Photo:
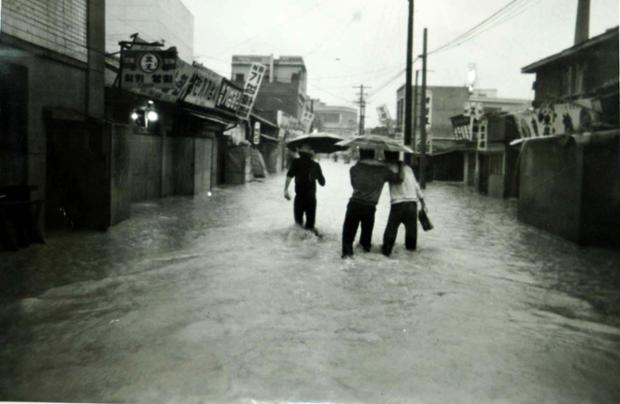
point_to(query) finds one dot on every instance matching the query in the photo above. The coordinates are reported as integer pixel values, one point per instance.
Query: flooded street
(222, 299)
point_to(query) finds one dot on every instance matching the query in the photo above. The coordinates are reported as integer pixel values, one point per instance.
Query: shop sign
(461, 128)
(181, 81)
(229, 96)
(250, 91)
(557, 119)
(203, 88)
(307, 117)
(148, 67)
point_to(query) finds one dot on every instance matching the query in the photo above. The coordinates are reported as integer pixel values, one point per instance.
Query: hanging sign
(229, 96)
(204, 87)
(148, 67)
(250, 90)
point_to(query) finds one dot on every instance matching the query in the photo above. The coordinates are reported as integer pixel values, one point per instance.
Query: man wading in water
(367, 179)
(306, 172)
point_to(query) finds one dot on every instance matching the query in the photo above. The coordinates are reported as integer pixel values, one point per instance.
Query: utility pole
(415, 112)
(408, 101)
(423, 114)
(362, 103)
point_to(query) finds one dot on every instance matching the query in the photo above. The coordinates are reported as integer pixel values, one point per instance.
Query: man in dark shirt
(367, 179)
(306, 172)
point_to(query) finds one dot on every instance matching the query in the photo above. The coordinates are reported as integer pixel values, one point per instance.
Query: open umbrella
(375, 142)
(319, 142)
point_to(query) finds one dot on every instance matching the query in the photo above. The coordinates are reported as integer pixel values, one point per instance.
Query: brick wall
(59, 25)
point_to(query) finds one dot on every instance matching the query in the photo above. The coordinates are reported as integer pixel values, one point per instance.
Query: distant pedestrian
(367, 178)
(403, 208)
(306, 172)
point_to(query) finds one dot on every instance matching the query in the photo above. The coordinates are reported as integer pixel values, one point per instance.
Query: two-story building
(339, 120)
(281, 93)
(570, 159)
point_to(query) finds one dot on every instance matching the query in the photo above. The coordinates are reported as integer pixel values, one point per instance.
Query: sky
(346, 43)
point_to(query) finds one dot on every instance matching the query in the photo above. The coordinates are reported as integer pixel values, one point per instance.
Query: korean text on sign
(255, 78)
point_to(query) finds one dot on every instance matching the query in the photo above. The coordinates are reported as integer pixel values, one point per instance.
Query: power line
(511, 10)
(489, 22)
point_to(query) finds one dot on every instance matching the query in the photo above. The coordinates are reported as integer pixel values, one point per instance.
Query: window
(331, 117)
(240, 77)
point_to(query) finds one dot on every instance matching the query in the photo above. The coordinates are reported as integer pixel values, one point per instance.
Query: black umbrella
(318, 142)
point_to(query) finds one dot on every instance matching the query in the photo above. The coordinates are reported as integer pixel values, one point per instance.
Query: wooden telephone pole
(423, 115)
(408, 95)
(362, 103)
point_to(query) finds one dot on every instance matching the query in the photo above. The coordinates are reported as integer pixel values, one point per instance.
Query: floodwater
(221, 299)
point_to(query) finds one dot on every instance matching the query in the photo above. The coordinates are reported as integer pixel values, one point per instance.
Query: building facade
(338, 120)
(153, 20)
(569, 182)
(283, 87)
(52, 134)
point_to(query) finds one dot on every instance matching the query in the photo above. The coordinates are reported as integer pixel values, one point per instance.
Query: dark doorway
(483, 179)
(13, 125)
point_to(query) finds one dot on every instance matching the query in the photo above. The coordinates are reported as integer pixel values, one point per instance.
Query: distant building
(283, 87)
(154, 20)
(338, 120)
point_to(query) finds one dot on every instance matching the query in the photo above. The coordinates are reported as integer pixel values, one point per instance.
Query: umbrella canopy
(375, 142)
(319, 142)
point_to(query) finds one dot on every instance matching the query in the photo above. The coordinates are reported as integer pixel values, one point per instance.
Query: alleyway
(222, 299)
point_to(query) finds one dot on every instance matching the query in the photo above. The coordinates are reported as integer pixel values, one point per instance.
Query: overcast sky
(346, 43)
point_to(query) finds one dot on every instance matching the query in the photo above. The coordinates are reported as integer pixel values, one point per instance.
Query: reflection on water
(221, 299)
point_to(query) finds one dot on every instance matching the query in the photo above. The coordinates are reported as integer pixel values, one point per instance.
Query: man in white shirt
(404, 197)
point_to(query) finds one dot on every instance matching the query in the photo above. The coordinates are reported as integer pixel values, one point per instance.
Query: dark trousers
(407, 214)
(357, 213)
(305, 204)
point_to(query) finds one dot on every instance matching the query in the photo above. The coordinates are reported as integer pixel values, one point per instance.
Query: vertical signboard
(307, 117)
(252, 84)
(229, 97)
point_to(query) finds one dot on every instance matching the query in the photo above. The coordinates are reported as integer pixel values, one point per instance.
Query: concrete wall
(551, 186)
(145, 166)
(238, 165)
(570, 186)
(120, 174)
(203, 160)
(601, 191)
